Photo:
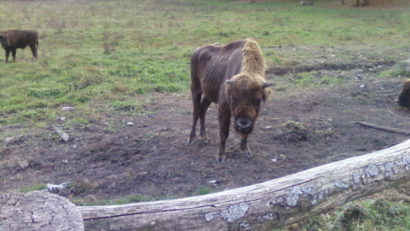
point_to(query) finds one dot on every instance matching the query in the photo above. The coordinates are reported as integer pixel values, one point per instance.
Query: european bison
(404, 97)
(232, 76)
(12, 39)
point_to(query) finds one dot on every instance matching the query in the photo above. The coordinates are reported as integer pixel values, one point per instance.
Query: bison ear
(266, 84)
(230, 82)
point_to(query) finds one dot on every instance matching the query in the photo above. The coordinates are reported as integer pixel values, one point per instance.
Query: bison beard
(12, 39)
(232, 76)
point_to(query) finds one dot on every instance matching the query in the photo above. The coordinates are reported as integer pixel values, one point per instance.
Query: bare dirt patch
(299, 128)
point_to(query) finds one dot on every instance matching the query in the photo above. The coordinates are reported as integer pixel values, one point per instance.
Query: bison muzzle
(232, 76)
(12, 39)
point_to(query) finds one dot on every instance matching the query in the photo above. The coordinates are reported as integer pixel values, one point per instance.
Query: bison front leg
(34, 50)
(245, 147)
(224, 116)
(7, 54)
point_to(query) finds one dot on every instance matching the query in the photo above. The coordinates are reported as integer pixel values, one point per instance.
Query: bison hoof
(219, 159)
(190, 140)
(249, 154)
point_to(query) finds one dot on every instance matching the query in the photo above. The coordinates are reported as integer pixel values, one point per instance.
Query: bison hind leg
(203, 107)
(13, 52)
(196, 100)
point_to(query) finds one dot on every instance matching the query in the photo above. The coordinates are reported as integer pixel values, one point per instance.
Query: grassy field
(97, 55)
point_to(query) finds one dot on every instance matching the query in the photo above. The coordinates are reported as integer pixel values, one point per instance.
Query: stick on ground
(384, 128)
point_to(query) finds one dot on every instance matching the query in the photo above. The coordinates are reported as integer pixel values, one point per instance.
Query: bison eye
(257, 102)
(233, 100)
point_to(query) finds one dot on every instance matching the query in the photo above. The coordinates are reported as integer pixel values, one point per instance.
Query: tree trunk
(38, 211)
(261, 206)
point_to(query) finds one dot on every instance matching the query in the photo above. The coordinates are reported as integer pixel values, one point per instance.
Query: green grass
(365, 215)
(314, 78)
(202, 190)
(31, 188)
(133, 198)
(399, 70)
(380, 215)
(106, 52)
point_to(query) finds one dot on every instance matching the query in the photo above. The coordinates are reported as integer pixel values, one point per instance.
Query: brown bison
(404, 97)
(12, 39)
(232, 76)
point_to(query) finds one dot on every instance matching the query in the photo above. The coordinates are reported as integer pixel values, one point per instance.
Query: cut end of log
(38, 211)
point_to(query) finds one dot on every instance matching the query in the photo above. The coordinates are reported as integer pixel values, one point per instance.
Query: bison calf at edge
(232, 76)
(12, 39)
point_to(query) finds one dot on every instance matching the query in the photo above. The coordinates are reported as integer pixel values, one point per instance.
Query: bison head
(244, 94)
(4, 40)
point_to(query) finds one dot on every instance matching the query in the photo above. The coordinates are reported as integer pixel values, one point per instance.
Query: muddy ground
(299, 128)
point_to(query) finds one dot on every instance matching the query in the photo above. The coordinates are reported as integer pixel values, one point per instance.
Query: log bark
(38, 211)
(262, 206)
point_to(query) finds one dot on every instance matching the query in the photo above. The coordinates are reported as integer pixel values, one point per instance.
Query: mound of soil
(299, 128)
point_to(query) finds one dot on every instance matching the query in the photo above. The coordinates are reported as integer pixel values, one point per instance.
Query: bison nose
(244, 123)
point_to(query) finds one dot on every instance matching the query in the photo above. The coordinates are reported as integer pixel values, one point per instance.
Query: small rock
(67, 108)
(362, 86)
(214, 182)
(55, 188)
(23, 164)
(75, 146)
(62, 118)
(65, 161)
(130, 123)
(274, 159)
(8, 139)
(64, 136)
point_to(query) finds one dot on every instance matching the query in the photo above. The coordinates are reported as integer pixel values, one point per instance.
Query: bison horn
(230, 82)
(266, 84)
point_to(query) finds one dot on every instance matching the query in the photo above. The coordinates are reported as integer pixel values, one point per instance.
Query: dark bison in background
(232, 76)
(404, 97)
(12, 39)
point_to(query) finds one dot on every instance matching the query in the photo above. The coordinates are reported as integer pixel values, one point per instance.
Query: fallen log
(262, 206)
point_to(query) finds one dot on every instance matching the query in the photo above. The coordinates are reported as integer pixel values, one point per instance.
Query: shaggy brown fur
(232, 76)
(12, 39)
(404, 97)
